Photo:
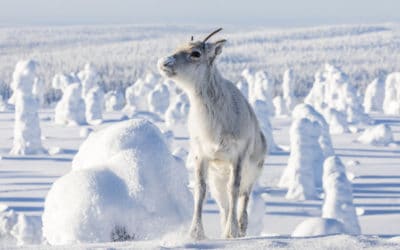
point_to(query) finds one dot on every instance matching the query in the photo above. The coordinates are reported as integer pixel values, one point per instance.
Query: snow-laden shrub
(380, 135)
(325, 141)
(318, 227)
(27, 133)
(19, 229)
(70, 110)
(94, 102)
(114, 100)
(124, 185)
(288, 90)
(261, 110)
(374, 95)
(333, 90)
(305, 160)
(177, 111)
(338, 200)
(391, 102)
(158, 99)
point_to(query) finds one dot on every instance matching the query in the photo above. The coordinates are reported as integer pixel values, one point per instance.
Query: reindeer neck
(208, 90)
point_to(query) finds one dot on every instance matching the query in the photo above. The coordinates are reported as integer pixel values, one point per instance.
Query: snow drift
(124, 184)
(380, 135)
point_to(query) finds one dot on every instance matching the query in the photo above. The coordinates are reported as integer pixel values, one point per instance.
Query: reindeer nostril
(169, 61)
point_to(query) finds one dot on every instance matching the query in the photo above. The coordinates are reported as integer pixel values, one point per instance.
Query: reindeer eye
(195, 54)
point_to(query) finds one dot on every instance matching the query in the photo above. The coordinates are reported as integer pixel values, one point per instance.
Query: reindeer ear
(217, 46)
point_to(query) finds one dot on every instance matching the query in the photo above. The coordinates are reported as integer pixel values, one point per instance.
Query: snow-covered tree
(89, 78)
(27, 133)
(114, 100)
(305, 160)
(338, 201)
(261, 110)
(288, 90)
(391, 102)
(374, 95)
(333, 90)
(94, 101)
(70, 110)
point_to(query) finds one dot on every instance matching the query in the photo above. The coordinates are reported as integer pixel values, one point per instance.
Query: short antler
(210, 35)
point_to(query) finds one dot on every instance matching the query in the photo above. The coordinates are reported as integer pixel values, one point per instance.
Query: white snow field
(118, 177)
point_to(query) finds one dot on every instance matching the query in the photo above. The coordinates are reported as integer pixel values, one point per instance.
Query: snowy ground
(25, 180)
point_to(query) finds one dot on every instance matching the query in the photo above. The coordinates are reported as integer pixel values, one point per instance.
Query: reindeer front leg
(196, 229)
(232, 228)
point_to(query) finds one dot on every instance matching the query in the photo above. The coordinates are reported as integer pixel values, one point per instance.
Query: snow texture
(70, 110)
(27, 133)
(379, 135)
(305, 160)
(318, 227)
(124, 184)
(391, 102)
(338, 200)
(374, 96)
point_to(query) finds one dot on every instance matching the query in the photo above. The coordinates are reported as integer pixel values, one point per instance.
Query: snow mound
(318, 227)
(380, 135)
(177, 111)
(391, 102)
(124, 184)
(338, 201)
(337, 121)
(374, 95)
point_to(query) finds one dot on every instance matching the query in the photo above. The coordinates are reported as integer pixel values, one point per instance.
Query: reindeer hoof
(232, 232)
(197, 233)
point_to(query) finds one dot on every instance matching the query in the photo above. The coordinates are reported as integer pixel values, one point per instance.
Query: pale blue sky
(245, 12)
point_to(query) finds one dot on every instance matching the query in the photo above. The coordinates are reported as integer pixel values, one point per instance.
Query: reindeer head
(191, 61)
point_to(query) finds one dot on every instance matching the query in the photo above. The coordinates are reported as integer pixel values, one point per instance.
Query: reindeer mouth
(168, 72)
